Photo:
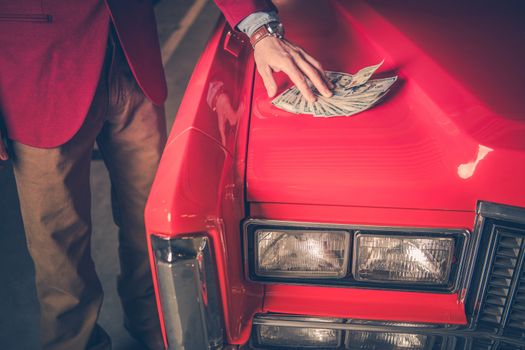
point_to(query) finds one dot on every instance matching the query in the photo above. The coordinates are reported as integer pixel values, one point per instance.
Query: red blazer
(51, 55)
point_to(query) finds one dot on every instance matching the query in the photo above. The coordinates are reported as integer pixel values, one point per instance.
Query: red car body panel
(445, 138)
(448, 136)
(364, 304)
(198, 187)
(446, 219)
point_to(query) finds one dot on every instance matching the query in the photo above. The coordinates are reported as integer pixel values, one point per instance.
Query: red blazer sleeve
(236, 10)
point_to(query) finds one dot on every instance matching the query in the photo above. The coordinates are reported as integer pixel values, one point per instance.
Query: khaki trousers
(55, 200)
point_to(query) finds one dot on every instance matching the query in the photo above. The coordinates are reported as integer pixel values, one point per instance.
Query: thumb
(269, 82)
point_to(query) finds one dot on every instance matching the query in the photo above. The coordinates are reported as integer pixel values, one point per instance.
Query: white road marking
(176, 37)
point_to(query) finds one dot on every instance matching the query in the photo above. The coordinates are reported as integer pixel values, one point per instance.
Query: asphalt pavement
(184, 27)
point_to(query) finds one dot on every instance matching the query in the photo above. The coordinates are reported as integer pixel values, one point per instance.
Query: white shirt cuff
(257, 19)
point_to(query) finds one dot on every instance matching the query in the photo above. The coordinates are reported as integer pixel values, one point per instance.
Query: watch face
(275, 28)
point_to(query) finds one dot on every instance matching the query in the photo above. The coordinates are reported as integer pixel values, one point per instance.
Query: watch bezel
(275, 28)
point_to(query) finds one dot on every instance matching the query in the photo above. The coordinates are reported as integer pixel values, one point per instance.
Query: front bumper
(495, 300)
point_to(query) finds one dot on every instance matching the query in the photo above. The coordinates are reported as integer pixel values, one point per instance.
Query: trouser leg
(131, 143)
(53, 187)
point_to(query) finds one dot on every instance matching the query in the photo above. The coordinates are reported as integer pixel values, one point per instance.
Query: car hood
(450, 133)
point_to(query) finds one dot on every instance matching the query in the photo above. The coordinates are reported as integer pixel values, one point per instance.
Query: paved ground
(18, 305)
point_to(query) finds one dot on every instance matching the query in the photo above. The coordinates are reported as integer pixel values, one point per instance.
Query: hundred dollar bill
(352, 93)
(370, 87)
(363, 75)
(344, 81)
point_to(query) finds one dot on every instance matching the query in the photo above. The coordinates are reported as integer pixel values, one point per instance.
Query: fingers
(298, 78)
(316, 76)
(269, 81)
(3, 152)
(309, 68)
(318, 66)
(274, 55)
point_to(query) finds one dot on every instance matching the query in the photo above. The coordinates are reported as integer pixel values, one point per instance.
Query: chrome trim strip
(306, 322)
(189, 293)
(472, 252)
(501, 212)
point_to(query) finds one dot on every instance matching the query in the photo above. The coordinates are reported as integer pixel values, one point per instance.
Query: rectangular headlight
(388, 341)
(301, 253)
(293, 337)
(409, 259)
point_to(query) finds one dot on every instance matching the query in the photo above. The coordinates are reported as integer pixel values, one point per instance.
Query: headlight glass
(385, 341)
(294, 337)
(301, 254)
(409, 259)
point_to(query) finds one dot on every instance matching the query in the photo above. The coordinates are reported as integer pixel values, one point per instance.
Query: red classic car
(402, 227)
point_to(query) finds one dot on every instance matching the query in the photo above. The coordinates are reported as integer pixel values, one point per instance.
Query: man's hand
(274, 55)
(3, 151)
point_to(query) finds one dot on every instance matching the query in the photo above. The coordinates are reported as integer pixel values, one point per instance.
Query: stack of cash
(351, 94)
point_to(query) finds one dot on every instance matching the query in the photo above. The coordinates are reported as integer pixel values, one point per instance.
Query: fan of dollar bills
(352, 94)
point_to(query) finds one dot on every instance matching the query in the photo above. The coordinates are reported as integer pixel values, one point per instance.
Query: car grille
(499, 310)
(517, 314)
(498, 305)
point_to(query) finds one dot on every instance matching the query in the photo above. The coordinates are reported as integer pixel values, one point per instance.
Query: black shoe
(99, 339)
(151, 339)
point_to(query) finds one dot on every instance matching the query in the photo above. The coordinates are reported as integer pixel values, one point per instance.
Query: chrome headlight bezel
(455, 282)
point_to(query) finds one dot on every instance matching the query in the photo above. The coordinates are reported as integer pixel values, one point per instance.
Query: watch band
(261, 33)
(274, 29)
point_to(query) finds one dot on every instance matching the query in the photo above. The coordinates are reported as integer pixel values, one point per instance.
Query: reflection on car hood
(450, 133)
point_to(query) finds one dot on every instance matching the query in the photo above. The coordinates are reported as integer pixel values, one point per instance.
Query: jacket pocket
(26, 17)
(24, 11)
